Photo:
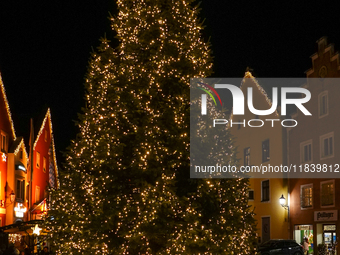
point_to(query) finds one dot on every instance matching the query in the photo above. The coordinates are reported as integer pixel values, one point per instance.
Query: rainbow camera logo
(204, 97)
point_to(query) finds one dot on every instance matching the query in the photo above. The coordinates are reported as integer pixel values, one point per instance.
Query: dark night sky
(45, 47)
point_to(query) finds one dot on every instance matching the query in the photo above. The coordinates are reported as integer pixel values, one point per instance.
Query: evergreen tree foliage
(125, 188)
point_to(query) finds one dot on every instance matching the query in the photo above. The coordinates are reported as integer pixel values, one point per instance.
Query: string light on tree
(125, 188)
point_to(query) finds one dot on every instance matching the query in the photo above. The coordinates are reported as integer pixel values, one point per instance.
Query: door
(265, 229)
(329, 236)
(329, 240)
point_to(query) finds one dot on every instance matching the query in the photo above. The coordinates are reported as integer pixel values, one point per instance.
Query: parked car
(280, 247)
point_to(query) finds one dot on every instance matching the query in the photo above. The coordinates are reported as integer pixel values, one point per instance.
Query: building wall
(41, 176)
(310, 128)
(14, 174)
(6, 127)
(253, 138)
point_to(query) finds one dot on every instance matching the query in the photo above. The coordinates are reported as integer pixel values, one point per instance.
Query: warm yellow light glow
(36, 230)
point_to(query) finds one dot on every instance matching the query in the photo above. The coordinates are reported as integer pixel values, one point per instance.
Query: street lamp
(284, 205)
(283, 202)
(12, 197)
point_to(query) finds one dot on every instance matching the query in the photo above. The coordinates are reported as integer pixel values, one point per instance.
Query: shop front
(22, 235)
(305, 231)
(321, 234)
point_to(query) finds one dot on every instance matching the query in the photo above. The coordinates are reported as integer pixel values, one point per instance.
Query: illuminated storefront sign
(20, 210)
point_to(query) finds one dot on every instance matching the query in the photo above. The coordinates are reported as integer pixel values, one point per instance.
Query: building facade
(263, 146)
(44, 166)
(24, 177)
(315, 202)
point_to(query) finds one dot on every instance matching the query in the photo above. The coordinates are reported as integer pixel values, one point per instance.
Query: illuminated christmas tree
(125, 188)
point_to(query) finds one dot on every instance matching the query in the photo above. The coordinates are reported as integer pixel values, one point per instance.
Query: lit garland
(14, 238)
(21, 145)
(248, 75)
(7, 107)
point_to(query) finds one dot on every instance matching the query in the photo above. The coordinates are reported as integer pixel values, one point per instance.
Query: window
(251, 194)
(45, 135)
(306, 193)
(37, 159)
(265, 151)
(327, 145)
(323, 104)
(247, 156)
(4, 142)
(306, 152)
(27, 191)
(37, 194)
(20, 194)
(327, 193)
(20, 154)
(44, 164)
(265, 191)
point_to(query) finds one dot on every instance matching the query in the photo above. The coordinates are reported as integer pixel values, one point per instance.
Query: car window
(292, 244)
(280, 244)
(266, 244)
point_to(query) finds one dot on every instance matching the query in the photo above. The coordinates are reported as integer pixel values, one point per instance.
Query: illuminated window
(306, 196)
(323, 104)
(4, 142)
(327, 145)
(37, 159)
(327, 193)
(37, 194)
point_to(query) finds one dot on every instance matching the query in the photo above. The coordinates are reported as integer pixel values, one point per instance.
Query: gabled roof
(248, 75)
(47, 119)
(259, 87)
(9, 115)
(324, 47)
(17, 144)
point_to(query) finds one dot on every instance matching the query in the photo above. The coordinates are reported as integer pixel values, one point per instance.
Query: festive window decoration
(4, 157)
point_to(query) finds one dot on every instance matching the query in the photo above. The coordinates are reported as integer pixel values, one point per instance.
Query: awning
(40, 208)
(21, 227)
